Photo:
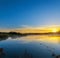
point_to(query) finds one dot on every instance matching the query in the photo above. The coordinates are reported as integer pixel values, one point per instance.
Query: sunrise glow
(54, 30)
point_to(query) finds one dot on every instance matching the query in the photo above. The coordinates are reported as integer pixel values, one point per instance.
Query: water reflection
(31, 46)
(49, 39)
(2, 53)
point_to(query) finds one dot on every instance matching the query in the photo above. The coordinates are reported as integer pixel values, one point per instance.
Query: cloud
(26, 26)
(31, 27)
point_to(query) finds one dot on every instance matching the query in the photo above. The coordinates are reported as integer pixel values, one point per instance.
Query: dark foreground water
(31, 47)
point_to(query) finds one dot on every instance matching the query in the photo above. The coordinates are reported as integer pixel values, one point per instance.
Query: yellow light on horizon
(54, 30)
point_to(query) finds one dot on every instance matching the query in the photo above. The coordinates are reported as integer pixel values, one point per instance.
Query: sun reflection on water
(49, 39)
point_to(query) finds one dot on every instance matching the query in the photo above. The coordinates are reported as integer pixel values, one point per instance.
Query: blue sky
(18, 13)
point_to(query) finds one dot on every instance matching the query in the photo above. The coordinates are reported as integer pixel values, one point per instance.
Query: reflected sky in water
(38, 46)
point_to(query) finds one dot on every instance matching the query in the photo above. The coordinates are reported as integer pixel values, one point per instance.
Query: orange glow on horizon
(34, 29)
(54, 30)
(40, 30)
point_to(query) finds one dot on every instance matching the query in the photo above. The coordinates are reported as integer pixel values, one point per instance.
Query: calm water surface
(34, 46)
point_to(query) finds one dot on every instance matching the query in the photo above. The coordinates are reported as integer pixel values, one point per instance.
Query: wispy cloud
(26, 26)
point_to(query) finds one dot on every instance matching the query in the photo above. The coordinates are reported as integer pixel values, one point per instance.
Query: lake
(31, 47)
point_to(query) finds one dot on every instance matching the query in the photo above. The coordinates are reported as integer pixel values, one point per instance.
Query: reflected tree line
(4, 35)
(13, 35)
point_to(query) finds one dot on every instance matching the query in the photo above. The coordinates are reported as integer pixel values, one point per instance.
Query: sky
(27, 13)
